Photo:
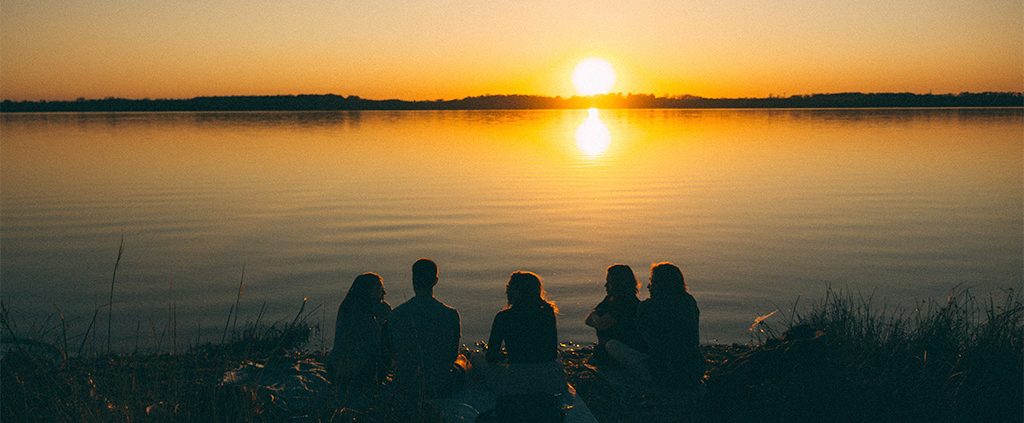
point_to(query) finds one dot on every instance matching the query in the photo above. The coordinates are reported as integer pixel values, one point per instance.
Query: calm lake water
(758, 207)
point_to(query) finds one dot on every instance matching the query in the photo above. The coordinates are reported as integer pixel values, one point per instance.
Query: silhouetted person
(358, 358)
(669, 324)
(615, 316)
(424, 337)
(526, 327)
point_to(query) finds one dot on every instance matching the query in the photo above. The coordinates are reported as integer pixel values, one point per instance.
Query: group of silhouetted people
(655, 339)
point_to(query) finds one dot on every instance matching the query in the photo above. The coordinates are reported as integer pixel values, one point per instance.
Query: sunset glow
(731, 48)
(592, 136)
(593, 76)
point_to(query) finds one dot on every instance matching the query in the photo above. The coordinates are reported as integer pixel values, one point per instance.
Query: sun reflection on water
(592, 136)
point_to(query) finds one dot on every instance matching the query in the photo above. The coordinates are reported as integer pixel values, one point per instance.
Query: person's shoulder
(625, 304)
(502, 315)
(402, 309)
(446, 306)
(688, 299)
(646, 306)
(447, 309)
(382, 309)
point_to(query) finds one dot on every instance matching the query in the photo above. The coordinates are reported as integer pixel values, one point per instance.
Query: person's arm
(643, 324)
(495, 340)
(339, 333)
(552, 335)
(458, 335)
(600, 321)
(601, 318)
(385, 341)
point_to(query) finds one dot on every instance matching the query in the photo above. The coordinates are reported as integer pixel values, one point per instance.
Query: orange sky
(452, 49)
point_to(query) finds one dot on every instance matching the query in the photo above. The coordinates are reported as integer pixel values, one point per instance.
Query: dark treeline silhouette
(617, 100)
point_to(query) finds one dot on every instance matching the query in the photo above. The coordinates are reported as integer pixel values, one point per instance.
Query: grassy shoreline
(839, 359)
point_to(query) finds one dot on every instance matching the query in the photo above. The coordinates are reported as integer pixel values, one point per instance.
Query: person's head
(424, 275)
(666, 280)
(366, 290)
(526, 289)
(621, 282)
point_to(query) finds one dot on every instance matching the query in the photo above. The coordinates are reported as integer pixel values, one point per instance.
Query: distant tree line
(618, 100)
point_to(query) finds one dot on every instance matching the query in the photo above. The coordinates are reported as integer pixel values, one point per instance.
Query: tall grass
(843, 358)
(41, 380)
(955, 360)
(110, 301)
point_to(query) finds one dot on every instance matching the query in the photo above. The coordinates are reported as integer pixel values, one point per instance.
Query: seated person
(358, 357)
(668, 323)
(423, 335)
(615, 316)
(526, 327)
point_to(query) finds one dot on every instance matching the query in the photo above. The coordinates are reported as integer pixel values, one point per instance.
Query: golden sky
(63, 49)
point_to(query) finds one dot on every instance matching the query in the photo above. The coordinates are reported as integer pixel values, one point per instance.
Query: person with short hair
(423, 334)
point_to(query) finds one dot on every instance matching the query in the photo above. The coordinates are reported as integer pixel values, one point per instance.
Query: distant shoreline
(333, 102)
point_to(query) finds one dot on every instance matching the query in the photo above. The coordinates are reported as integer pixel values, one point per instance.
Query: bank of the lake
(838, 360)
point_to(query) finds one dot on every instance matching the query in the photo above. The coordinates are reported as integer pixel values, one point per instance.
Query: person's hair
(526, 289)
(622, 282)
(424, 274)
(667, 279)
(358, 297)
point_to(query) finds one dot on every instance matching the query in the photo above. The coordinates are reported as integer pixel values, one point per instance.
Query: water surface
(757, 206)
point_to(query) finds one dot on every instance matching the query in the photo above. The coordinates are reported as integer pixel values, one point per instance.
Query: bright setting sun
(593, 76)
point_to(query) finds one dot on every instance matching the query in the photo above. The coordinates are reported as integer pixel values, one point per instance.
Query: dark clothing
(358, 359)
(359, 334)
(670, 326)
(423, 334)
(529, 334)
(623, 310)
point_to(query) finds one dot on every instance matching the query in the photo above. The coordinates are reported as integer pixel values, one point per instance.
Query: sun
(593, 76)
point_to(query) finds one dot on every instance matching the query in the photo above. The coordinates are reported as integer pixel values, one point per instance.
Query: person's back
(669, 323)
(614, 318)
(623, 311)
(424, 338)
(670, 327)
(529, 333)
(423, 334)
(358, 361)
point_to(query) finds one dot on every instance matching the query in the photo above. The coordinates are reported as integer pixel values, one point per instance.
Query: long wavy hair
(621, 282)
(360, 296)
(667, 280)
(525, 289)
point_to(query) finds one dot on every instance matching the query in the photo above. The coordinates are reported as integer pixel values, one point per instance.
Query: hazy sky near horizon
(63, 49)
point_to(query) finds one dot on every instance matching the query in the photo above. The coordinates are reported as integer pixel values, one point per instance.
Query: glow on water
(758, 207)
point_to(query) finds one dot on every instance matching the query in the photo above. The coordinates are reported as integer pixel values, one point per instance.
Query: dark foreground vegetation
(617, 100)
(837, 360)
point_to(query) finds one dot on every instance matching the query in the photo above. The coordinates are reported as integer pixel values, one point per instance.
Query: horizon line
(489, 95)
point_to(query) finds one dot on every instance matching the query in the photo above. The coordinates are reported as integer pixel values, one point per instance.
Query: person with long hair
(359, 357)
(527, 329)
(669, 323)
(614, 317)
